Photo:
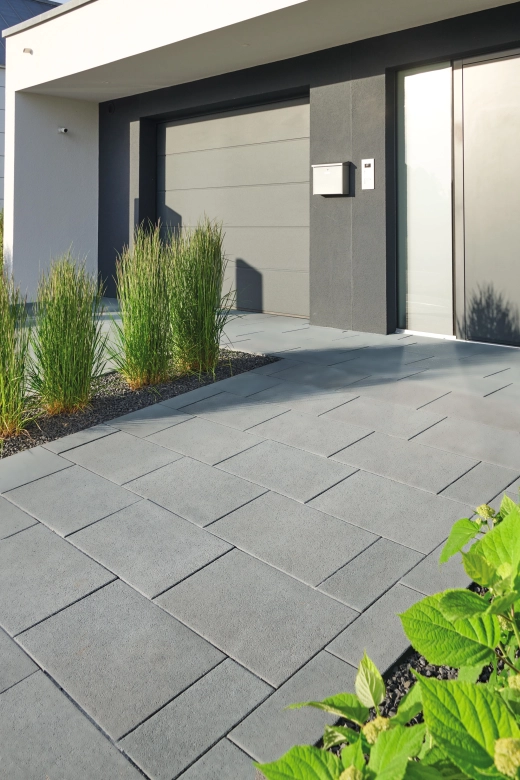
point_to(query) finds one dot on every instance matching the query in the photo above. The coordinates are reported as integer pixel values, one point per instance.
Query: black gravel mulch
(114, 398)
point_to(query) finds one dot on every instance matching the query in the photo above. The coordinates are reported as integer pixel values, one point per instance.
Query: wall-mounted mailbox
(331, 179)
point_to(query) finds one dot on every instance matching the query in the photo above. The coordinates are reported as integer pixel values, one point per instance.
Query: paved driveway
(171, 581)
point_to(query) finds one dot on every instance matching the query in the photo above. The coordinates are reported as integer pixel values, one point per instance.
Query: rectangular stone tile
(41, 574)
(466, 381)
(185, 399)
(172, 739)
(246, 384)
(15, 665)
(312, 434)
(370, 574)
(305, 399)
(407, 461)
(268, 622)
(195, 491)
(119, 656)
(27, 466)
(392, 419)
(481, 484)
(149, 420)
(491, 410)
(300, 541)
(294, 473)
(474, 440)
(121, 458)
(408, 392)
(71, 499)
(12, 519)
(224, 761)
(279, 365)
(234, 411)
(79, 438)
(325, 377)
(334, 353)
(272, 730)
(403, 514)
(377, 631)
(43, 735)
(430, 576)
(205, 440)
(149, 547)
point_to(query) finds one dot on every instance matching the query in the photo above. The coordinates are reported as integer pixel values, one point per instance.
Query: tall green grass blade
(14, 350)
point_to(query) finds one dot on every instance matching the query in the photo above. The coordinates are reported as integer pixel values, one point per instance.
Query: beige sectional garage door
(249, 169)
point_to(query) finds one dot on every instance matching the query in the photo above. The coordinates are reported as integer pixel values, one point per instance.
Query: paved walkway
(171, 581)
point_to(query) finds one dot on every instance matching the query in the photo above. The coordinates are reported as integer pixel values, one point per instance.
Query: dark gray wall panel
(267, 290)
(273, 248)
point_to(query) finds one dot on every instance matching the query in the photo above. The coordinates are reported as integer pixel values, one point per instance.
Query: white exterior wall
(2, 134)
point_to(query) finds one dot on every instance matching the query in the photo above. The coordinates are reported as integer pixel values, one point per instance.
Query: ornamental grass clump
(143, 350)
(199, 309)
(68, 344)
(14, 350)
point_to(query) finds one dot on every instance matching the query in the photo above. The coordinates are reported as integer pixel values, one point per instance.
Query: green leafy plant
(14, 350)
(67, 341)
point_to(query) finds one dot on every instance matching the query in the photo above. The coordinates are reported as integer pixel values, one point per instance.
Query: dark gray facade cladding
(352, 109)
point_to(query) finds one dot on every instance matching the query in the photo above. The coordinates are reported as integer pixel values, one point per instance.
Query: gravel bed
(113, 398)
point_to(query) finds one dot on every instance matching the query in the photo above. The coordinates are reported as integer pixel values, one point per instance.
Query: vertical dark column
(143, 173)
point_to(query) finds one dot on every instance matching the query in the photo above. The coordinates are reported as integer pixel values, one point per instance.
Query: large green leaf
(303, 763)
(502, 604)
(370, 687)
(393, 749)
(502, 544)
(339, 735)
(462, 532)
(416, 770)
(443, 765)
(409, 706)
(469, 673)
(507, 506)
(345, 705)
(465, 720)
(460, 603)
(461, 643)
(478, 568)
(353, 755)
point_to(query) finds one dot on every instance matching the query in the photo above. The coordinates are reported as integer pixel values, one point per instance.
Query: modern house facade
(174, 111)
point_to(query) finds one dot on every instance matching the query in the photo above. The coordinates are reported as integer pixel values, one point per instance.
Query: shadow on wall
(491, 317)
(249, 287)
(170, 220)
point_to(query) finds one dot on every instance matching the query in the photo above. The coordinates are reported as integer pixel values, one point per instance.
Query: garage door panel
(271, 163)
(267, 290)
(264, 206)
(251, 126)
(277, 249)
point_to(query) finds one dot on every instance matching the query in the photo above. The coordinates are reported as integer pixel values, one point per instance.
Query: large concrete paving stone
(149, 420)
(185, 399)
(270, 369)
(305, 399)
(377, 631)
(403, 514)
(272, 730)
(430, 576)
(204, 440)
(12, 519)
(491, 410)
(294, 473)
(267, 621)
(41, 574)
(119, 656)
(27, 466)
(121, 457)
(392, 419)
(175, 737)
(408, 392)
(78, 439)
(370, 574)
(196, 491)
(149, 547)
(235, 411)
(246, 384)
(71, 499)
(302, 542)
(481, 484)
(326, 377)
(225, 762)
(43, 735)
(15, 665)
(409, 462)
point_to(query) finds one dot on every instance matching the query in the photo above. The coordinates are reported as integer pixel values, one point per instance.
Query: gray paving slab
(468, 438)
(326, 377)
(465, 381)
(370, 574)
(149, 420)
(71, 499)
(377, 631)
(15, 665)
(403, 514)
(148, 547)
(264, 619)
(119, 656)
(490, 410)
(481, 484)
(334, 353)
(312, 434)
(79, 438)
(12, 519)
(121, 457)
(408, 392)
(41, 574)
(206, 441)
(235, 411)
(43, 735)
(430, 577)
(27, 466)
(196, 491)
(174, 738)
(224, 761)
(294, 473)
(392, 419)
(271, 730)
(305, 399)
(301, 541)
(247, 384)
(185, 399)
(270, 369)
(407, 461)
